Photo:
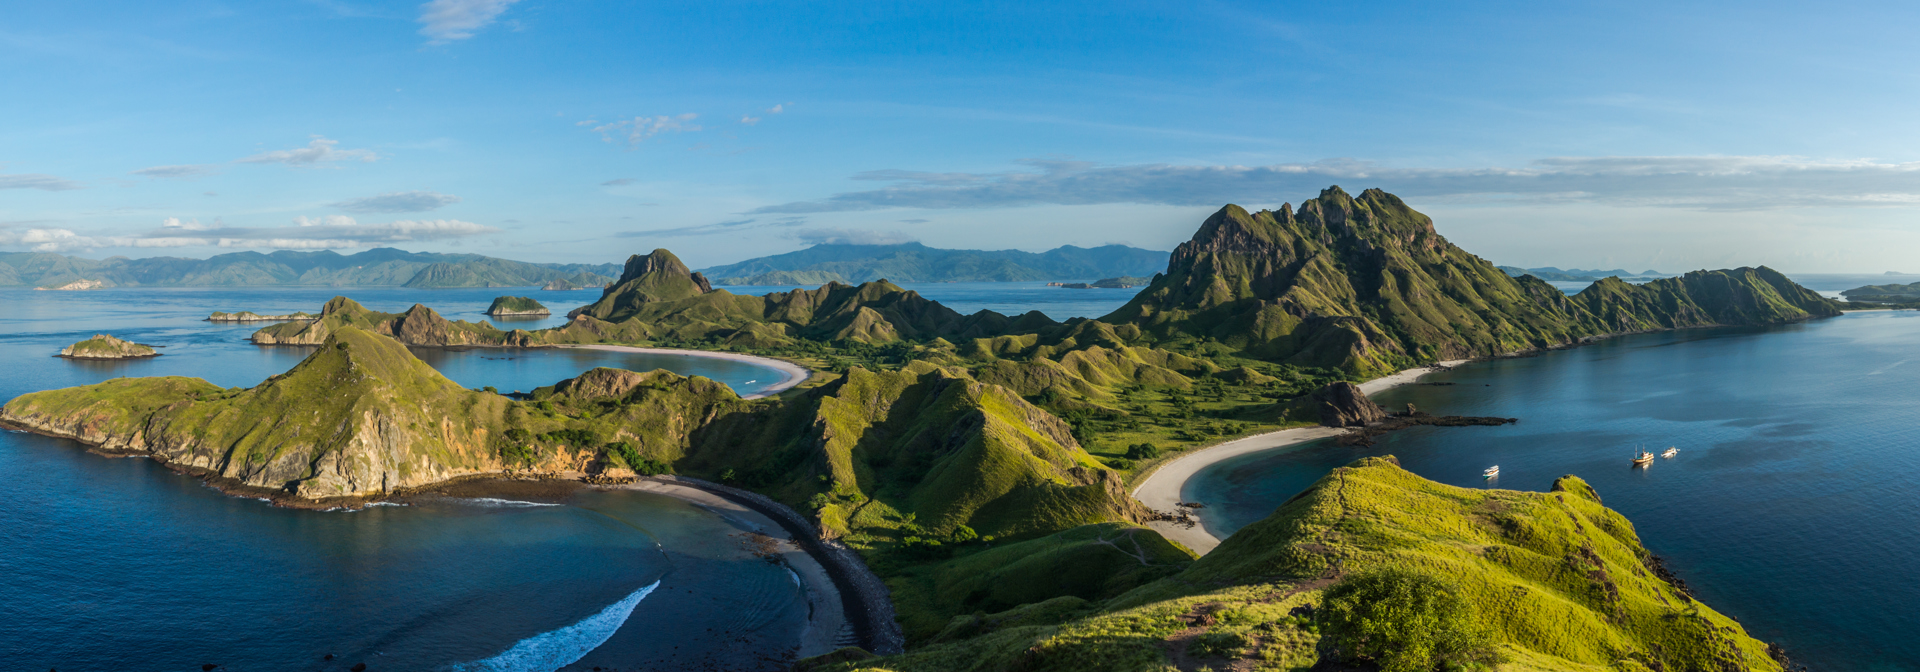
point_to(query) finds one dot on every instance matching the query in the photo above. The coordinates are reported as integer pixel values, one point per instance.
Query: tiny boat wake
(553, 650)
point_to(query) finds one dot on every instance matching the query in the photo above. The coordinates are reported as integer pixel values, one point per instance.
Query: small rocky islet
(103, 346)
(517, 306)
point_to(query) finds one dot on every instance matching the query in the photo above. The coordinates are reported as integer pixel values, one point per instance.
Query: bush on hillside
(1403, 621)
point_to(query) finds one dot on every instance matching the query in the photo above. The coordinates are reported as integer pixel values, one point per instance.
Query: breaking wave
(555, 649)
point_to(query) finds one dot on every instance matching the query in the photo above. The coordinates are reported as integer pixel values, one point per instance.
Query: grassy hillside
(1554, 580)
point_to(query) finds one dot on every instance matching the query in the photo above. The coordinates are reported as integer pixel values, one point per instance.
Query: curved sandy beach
(1160, 490)
(795, 373)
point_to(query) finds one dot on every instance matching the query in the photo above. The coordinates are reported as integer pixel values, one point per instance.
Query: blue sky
(1626, 135)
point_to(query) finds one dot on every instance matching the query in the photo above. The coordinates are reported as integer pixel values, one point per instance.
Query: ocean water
(120, 564)
(1791, 505)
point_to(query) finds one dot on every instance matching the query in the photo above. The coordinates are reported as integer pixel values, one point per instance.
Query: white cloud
(399, 201)
(1699, 182)
(320, 150)
(37, 181)
(851, 237)
(189, 170)
(636, 130)
(444, 21)
(749, 119)
(328, 232)
(618, 182)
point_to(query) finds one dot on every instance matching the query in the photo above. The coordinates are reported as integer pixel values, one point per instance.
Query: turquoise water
(119, 564)
(1790, 507)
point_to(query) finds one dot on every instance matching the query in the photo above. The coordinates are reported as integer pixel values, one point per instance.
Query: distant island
(371, 268)
(102, 346)
(1884, 293)
(1127, 282)
(914, 262)
(1552, 274)
(250, 316)
(982, 464)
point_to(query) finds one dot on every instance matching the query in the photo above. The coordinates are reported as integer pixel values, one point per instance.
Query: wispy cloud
(1703, 182)
(37, 181)
(444, 21)
(319, 150)
(328, 232)
(188, 170)
(851, 237)
(618, 182)
(750, 120)
(636, 130)
(730, 226)
(399, 201)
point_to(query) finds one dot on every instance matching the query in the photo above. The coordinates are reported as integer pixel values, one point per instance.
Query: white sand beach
(1160, 490)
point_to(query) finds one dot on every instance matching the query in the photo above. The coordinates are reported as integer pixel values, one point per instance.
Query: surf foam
(555, 649)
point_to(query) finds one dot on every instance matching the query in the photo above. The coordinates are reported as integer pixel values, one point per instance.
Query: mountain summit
(1367, 283)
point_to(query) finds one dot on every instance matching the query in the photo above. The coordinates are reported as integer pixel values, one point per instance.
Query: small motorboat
(1671, 451)
(1644, 459)
(1491, 472)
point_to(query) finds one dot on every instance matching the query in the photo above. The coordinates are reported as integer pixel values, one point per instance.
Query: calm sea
(118, 564)
(1791, 505)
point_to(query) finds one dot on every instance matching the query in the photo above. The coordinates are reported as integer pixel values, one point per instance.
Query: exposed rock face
(102, 346)
(1342, 404)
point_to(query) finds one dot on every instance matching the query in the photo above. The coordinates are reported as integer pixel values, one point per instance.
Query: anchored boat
(1671, 451)
(1491, 472)
(1644, 459)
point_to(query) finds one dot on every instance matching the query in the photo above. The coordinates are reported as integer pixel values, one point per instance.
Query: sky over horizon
(1634, 135)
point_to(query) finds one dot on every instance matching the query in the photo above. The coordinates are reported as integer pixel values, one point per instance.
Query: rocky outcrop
(1344, 405)
(419, 326)
(102, 346)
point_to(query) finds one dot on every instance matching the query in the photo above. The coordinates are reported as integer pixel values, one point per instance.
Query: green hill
(1553, 580)
(516, 305)
(913, 262)
(1886, 293)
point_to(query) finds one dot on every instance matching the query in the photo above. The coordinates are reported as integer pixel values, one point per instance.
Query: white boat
(1671, 451)
(1491, 472)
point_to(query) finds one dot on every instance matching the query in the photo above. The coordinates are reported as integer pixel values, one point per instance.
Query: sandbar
(1160, 490)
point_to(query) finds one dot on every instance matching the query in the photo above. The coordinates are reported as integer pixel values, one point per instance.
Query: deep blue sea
(1791, 506)
(119, 564)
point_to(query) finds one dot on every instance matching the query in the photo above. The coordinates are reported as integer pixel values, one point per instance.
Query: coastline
(795, 373)
(842, 592)
(1161, 489)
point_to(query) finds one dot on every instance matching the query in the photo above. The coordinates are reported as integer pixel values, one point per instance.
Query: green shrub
(1404, 621)
(1142, 451)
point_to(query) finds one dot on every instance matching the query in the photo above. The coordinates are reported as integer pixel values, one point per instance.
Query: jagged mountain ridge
(1367, 283)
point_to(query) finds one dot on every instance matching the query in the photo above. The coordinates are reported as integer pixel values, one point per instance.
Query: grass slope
(1561, 581)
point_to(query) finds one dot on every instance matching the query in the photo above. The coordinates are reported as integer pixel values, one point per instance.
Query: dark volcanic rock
(1344, 405)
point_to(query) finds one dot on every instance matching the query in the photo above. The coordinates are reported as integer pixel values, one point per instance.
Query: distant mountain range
(375, 267)
(913, 262)
(1552, 274)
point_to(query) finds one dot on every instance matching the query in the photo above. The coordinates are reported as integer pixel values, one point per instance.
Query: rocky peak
(1344, 405)
(663, 263)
